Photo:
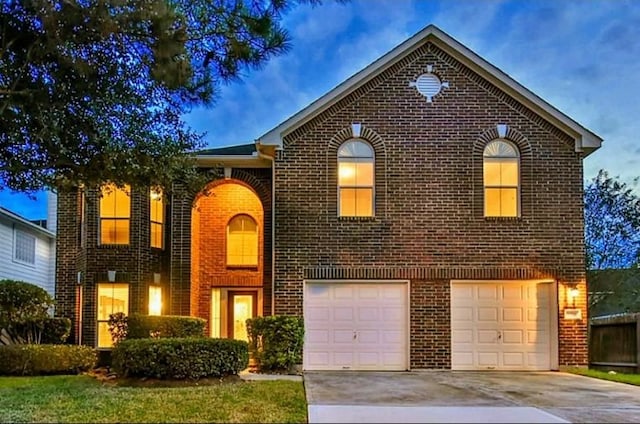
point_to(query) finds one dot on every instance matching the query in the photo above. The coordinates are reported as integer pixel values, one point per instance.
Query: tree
(612, 242)
(94, 90)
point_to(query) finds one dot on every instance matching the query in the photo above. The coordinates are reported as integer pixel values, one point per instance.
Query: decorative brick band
(428, 273)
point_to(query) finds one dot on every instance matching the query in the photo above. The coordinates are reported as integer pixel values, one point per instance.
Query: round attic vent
(428, 84)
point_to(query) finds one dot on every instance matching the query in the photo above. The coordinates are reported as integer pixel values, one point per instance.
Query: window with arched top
(501, 176)
(242, 241)
(355, 178)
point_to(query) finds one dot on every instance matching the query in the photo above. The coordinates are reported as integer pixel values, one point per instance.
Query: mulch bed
(107, 377)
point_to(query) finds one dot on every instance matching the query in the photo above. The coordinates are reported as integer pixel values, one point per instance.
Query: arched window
(355, 179)
(501, 163)
(242, 241)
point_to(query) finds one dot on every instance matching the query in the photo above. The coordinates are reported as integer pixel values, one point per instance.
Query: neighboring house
(27, 250)
(424, 214)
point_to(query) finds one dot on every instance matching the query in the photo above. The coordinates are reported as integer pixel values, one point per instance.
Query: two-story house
(425, 213)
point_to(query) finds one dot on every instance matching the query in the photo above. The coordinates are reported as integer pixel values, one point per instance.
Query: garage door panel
(367, 326)
(501, 325)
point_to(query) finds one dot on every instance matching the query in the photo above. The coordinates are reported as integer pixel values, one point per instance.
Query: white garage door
(355, 326)
(501, 325)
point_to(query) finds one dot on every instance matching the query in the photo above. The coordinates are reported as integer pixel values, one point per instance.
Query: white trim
(30, 225)
(585, 140)
(232, 161)
(553, 310)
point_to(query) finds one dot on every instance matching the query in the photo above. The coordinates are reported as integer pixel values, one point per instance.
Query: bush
(118, 327)
(179, 358)
(21, 301)
(164, 326)
(275, 342)
(34, 359)
(47, 330)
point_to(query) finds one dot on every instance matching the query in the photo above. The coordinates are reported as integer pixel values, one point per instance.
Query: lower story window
(155, 300)
(112, 298)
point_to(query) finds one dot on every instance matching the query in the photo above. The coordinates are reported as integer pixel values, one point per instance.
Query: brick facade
(429, 227)
(429, 221)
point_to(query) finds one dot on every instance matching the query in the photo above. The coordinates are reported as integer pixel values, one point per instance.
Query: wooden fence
(614, 343)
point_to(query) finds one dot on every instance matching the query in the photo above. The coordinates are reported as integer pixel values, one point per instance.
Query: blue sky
(583, 57)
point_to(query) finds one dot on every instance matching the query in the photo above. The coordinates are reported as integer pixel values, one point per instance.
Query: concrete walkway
(467, 397)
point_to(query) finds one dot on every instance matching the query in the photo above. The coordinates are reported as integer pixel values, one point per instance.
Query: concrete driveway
(467, 396)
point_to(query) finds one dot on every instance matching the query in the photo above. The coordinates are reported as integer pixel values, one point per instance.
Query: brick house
(424, 214)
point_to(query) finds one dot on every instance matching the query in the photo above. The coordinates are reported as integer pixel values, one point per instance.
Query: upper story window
(242, 241)
(24, 248)
(157, 218)
(115, 214)
(355, 178)
(501, 163)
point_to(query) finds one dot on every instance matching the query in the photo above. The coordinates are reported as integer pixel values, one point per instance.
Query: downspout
(273, 224)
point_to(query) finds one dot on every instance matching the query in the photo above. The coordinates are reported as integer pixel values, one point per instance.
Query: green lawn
(85, 399)
(619, 377)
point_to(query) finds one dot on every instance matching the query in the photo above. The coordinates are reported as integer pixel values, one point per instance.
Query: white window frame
(257, 261)
(357, 159)
(500, 159)
(18, 246)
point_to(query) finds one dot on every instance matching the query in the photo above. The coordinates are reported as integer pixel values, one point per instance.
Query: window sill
(503, 218)
(113, 246)
(242, 267)
(357, 218)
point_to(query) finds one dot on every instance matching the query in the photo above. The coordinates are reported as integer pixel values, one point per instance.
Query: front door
(243, 305)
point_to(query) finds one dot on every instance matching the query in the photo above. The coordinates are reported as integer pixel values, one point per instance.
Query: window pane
(491, 173)
(364, 202)
(364, 174)
(114, 231)
(112, 298)
(346, 173)
(115, 202)
(108, 203)
(509, 172)
(215, 313)
(347, 202)
(155, 300)
(242, 241)
(157, 206)
(355, 148)
(156, 235)
(104, 337)
(492, 202)
(508, 202)
(25, 247)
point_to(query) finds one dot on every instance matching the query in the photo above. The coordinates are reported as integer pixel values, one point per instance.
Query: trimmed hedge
(164, 326)
(43, 359)
(179, 358)
(275, 342)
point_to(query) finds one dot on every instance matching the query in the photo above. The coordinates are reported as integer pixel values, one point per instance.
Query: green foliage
(180, 358)
(95, 91)
(21, 302)
(276, 342)
(613, 291)
(42, 359)
(118, 326)
(47, 330)
(612, 223)
(164, 326)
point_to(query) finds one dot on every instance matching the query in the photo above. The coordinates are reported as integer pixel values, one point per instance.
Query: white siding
(42, 272)
(52, 211)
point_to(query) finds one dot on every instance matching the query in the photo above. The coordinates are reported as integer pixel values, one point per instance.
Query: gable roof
(239, 150)
(585, 140)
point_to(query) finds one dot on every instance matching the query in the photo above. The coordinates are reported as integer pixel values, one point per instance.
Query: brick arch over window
(240, 176)
(380, 166)
(526, 168)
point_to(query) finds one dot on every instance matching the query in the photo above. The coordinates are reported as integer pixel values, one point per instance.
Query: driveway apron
(467, 397)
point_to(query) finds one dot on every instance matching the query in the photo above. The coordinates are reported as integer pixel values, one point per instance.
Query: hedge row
(164, 326)
(179, 358)
(44, 359)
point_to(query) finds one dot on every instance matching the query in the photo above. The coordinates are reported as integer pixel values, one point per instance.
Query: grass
(603, 375)
(84, 399)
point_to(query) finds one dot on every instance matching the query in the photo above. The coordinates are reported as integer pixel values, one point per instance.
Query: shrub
(118, 326)
(35, 359)
(164, 326)
(21, 301)
(47, 330)
(275, 342)
(179, 358)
